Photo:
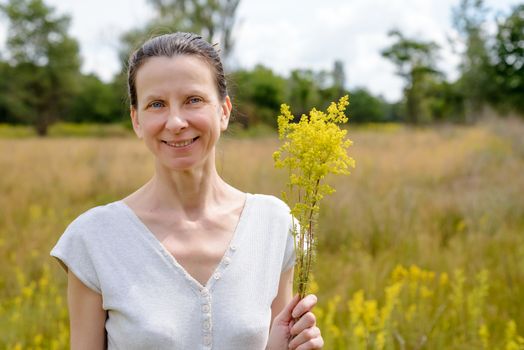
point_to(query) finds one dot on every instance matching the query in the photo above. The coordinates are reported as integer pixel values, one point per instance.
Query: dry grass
(442, 199)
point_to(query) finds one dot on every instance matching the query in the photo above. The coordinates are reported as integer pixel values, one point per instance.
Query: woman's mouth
(180, 144)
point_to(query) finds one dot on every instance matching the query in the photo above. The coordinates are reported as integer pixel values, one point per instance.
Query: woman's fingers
(284, 317)
(304, 331)
(305, 305)
(309, 338)
(307, 320)
(317, 343)
(291, 306)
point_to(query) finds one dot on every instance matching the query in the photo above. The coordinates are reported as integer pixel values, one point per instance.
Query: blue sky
(289, 34)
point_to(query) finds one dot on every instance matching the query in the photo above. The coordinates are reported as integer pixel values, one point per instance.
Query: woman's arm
(284, 310)
(284, 295)
(86, 316)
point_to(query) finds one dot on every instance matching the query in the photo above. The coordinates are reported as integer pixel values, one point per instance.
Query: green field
(422, 247)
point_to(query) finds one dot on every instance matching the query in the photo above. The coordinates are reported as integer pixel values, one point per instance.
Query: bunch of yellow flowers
(313, 147)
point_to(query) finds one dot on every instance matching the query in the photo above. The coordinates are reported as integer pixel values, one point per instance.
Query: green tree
(257, 95)
(97, 102)
(445, 101)
(303, 90)
(364, 107)
(509, 61)
(330, 85)
(45, 63)
(6, 76)
(415, 60)
(470, 19)
(213, 19)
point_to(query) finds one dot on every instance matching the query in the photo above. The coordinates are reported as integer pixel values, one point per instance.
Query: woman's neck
(190, 193)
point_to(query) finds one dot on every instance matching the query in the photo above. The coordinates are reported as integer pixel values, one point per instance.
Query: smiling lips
(180, 144)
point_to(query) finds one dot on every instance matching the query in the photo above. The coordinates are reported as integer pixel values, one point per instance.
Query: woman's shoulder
(87, 233)
(96, 217)
(271, 203)
(269, 199)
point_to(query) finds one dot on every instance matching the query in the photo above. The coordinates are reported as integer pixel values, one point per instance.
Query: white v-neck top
(153, 303)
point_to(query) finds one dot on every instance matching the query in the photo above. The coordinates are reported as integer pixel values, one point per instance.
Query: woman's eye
(194, 100)
(156, 104)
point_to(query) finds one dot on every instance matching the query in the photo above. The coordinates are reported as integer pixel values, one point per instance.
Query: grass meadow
(422, 247)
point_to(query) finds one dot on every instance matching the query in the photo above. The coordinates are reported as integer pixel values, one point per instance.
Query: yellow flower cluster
(513, 340)
(419, 309)
(371, 325)
(313, 147)
(37, 302)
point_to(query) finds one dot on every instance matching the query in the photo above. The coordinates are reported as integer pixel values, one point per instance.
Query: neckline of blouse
(225, 261)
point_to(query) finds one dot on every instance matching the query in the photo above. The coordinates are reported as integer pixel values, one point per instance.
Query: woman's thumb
(285, 314)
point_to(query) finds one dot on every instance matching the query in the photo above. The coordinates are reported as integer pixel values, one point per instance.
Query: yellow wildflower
(28, 291)
(38, 339)
(513, 340)
(356, 306)
(415, 272)
(399, 273)
(359, 331)
(425, 292)
(392, 295)
(43, 282)
(313, 147)
(380, 341)
(444, 279)
(370, 313)
(427, 276)
(484, 336)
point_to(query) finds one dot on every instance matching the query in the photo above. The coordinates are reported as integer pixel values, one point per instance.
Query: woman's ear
(226, 113)
(136, 123)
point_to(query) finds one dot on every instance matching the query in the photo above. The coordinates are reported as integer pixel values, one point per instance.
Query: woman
(187, 261)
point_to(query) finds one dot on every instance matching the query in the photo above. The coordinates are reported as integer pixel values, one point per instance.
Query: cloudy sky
(288, 34)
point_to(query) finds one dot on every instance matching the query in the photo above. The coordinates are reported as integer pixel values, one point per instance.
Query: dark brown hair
(170, 45)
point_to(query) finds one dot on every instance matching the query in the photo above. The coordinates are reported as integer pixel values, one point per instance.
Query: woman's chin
(182, 165)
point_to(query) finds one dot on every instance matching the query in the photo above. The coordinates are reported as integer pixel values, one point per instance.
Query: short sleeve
(73, 251)
(290, 254)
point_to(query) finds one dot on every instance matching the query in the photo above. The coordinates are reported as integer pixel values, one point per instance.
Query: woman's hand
(303, 334)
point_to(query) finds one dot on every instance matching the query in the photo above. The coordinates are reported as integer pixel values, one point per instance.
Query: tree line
(41, 81)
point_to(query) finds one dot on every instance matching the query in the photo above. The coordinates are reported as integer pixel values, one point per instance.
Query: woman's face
(179, 113)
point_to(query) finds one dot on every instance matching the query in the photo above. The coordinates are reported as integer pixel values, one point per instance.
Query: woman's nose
(176, 123)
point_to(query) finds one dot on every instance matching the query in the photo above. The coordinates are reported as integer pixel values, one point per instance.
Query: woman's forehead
(174, 71)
